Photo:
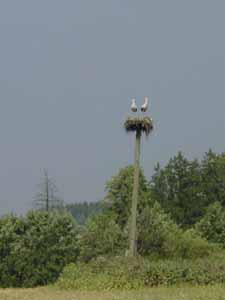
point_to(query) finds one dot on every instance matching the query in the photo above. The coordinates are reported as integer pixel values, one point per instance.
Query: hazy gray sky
(67, 71)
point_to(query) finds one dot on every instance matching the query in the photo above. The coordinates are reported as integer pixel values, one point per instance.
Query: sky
(68, 69)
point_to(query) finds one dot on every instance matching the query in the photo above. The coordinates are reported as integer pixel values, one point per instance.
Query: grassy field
(181, 293)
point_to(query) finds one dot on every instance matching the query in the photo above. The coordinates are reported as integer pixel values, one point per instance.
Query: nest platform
(139, 124)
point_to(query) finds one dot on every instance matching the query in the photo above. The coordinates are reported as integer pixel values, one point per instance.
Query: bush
(103, 274)
(34, 249)
(212, 225)
(11, 230)
(158, 234)
(101, 236)
(129, 273)
(201, 271)
(189, 244)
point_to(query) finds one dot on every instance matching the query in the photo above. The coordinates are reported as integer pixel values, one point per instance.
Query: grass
(216, 292)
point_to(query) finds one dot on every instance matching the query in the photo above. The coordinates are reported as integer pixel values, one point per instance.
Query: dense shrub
(101, 236)
(207, 270)
(158, 234)
(129, 273)
(104, 273)
(34, 249)
(212, 225)
(189, 244)
(11, 230)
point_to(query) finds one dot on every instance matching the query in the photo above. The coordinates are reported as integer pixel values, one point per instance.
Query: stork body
(144, 107)
(133, 105)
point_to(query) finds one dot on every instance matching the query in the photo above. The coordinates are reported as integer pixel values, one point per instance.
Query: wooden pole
(133, 226)
(46, 189)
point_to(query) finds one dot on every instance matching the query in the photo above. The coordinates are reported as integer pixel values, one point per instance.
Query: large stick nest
(141, 124)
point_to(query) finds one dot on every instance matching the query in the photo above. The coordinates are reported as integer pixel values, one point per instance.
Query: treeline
(181, 216)
(185, 188)
(84, 210)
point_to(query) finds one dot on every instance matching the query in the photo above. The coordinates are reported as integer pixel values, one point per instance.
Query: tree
(178, 188)
(11, 230)
(156, 232)
(213, 177)
(212, 225)
(101, 236)
(46, 198)
(161, 236)
(35, 248)
(119, 194)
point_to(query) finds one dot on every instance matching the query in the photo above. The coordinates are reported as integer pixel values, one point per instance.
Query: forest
(180, 233)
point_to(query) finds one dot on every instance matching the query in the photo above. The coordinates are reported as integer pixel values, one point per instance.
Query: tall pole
(133, 228)
(46, 190)
(137, 125)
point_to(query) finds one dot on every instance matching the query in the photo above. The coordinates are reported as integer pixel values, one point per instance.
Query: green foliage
(11, 229)
(34, 249)
(104, 274)
(119, 194)
(83, 211)
(102, 236)
(186, 188)
(189, 244)
(212, 225)
(133, 273)
(178, 188)
(207, 270)
(155, 231)
(213, 177)
(158, 234)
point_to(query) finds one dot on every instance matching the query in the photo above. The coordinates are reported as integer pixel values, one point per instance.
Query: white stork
(133, 105)
(144, 107)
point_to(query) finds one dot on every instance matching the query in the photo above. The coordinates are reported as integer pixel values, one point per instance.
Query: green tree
(213, 177)
(34, 249)
(101, 236)
(119, 194)
(159, 235)
(156, 232)
(178, 188)
(11, 230)
(212, 225)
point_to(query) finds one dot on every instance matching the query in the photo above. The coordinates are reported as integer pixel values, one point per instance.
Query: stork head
(146, 99)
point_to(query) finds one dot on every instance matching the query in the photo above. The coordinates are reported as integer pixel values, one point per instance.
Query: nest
(141, 124)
